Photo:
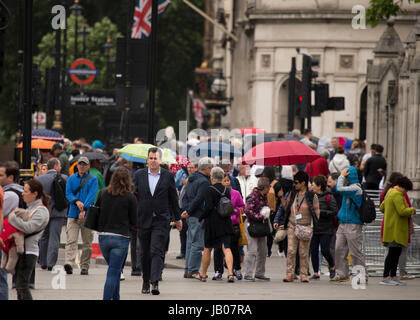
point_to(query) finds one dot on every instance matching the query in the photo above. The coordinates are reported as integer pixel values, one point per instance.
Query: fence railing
(373, 249)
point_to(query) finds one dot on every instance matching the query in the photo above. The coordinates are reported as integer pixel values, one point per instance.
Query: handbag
(257, 229)
(242, 241)
(92, 218)
(280, 235)
(236, 231)
(303, 232)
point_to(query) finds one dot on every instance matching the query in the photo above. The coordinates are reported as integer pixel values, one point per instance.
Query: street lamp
(84, 32)
(219, 85)
(76, 9)
(108, 53)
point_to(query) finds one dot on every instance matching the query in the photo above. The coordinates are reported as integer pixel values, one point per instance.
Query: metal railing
(373, 249)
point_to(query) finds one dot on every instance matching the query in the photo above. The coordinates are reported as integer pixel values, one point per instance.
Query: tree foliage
(384, 9)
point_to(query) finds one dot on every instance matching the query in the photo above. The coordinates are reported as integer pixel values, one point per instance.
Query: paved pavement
(175, 287)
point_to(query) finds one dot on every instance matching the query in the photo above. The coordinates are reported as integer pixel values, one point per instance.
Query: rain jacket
(352, 190)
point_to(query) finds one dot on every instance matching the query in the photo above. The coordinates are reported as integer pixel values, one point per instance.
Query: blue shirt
(153, 181)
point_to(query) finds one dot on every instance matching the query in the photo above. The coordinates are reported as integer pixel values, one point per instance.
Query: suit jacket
(46, 181)
(161, 204)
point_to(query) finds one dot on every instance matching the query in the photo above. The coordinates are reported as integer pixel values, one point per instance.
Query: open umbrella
(39, 144)
(252, 130)
(46, 134)
(213, 149)
(280, 153)
(91, 156)
(135, 151)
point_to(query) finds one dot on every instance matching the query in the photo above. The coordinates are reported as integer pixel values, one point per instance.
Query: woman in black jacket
(118, 213)
(218, 231)
(324, 228)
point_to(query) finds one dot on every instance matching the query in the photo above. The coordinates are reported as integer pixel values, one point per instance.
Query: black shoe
(155, 288)
(315, 277)
(136, 273)
(146, 287)
(68, 268)
(43, 267)
(31, 286)
(84, 272)
(49, 268)
(180, 256)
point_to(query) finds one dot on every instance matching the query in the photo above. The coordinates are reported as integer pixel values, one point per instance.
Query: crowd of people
(313, 208)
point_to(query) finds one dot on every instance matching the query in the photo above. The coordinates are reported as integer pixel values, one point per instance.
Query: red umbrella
(252, 130)
(182, 162)
(280, 153)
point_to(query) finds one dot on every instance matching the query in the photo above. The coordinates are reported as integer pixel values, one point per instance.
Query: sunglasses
(297, 182)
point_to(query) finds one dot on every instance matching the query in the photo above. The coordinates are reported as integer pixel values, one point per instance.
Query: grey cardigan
(37, 223)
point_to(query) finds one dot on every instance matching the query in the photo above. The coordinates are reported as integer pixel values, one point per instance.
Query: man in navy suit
(157, 198)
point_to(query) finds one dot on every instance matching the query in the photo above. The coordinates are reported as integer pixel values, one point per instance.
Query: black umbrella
(91, 156)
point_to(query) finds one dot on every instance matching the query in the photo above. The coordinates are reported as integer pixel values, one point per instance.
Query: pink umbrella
(182, 162)
(252, 130)
(280, 153)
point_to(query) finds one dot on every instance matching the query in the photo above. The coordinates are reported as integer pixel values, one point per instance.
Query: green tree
(384, 9)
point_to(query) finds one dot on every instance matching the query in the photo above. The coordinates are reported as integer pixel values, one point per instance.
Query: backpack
(58, 192)
(367, 210)
(22, 203)
(225, 207)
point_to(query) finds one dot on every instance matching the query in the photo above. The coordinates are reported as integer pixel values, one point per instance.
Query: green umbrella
(139, 153)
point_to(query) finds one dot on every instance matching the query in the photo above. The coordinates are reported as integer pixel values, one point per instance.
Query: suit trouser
(73, 228)
(348, 238)
(49, 244)
(135, 250)
(152, 242)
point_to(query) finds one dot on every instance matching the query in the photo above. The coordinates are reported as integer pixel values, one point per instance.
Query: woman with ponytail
(118, 213)
(37, 202)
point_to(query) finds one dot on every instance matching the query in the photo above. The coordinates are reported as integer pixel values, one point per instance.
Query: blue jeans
(195, 245)
(114, 249)
(4, 288)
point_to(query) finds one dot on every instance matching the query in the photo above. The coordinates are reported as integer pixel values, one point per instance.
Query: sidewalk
(175, 287)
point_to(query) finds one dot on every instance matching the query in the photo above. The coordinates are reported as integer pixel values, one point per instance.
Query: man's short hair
(12, 169)
(225, 163)
(52, 163)
(155, 150)
(325, 154)
(205, 163)
(307, 131)
(217, 174)
(379, 148)
(373, 146)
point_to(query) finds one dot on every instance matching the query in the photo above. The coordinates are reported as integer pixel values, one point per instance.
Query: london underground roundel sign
(90, 71)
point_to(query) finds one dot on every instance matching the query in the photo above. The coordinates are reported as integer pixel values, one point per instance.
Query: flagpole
(188, 116)
(152, 72)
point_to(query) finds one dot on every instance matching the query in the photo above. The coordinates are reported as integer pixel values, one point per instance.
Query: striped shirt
(300, 206)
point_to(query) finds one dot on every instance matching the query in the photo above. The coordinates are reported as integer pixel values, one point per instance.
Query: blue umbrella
(212, 149)
(46, 134)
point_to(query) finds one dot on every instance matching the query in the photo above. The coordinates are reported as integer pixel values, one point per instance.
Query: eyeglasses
(297, 182)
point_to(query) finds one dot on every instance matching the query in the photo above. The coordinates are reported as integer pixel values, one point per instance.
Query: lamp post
(84, 32)
(76, 9)
(108, 53)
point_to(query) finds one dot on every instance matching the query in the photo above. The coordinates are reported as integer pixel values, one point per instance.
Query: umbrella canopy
(136, 151)
(280, 153)
(139, 153)
(91, 156)
(182, 161)
(39, 144)
(212, 149)
(46, 134)
(252, 130)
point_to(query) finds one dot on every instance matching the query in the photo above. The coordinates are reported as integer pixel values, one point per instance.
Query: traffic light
(322, 94)
(307, 75)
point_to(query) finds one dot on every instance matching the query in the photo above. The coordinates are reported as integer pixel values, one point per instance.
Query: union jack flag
(142, 24)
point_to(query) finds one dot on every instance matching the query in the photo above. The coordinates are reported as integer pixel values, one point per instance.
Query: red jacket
(317, 167)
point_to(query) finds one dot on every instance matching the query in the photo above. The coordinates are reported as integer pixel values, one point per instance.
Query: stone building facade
(393, 78)
(257, 66)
